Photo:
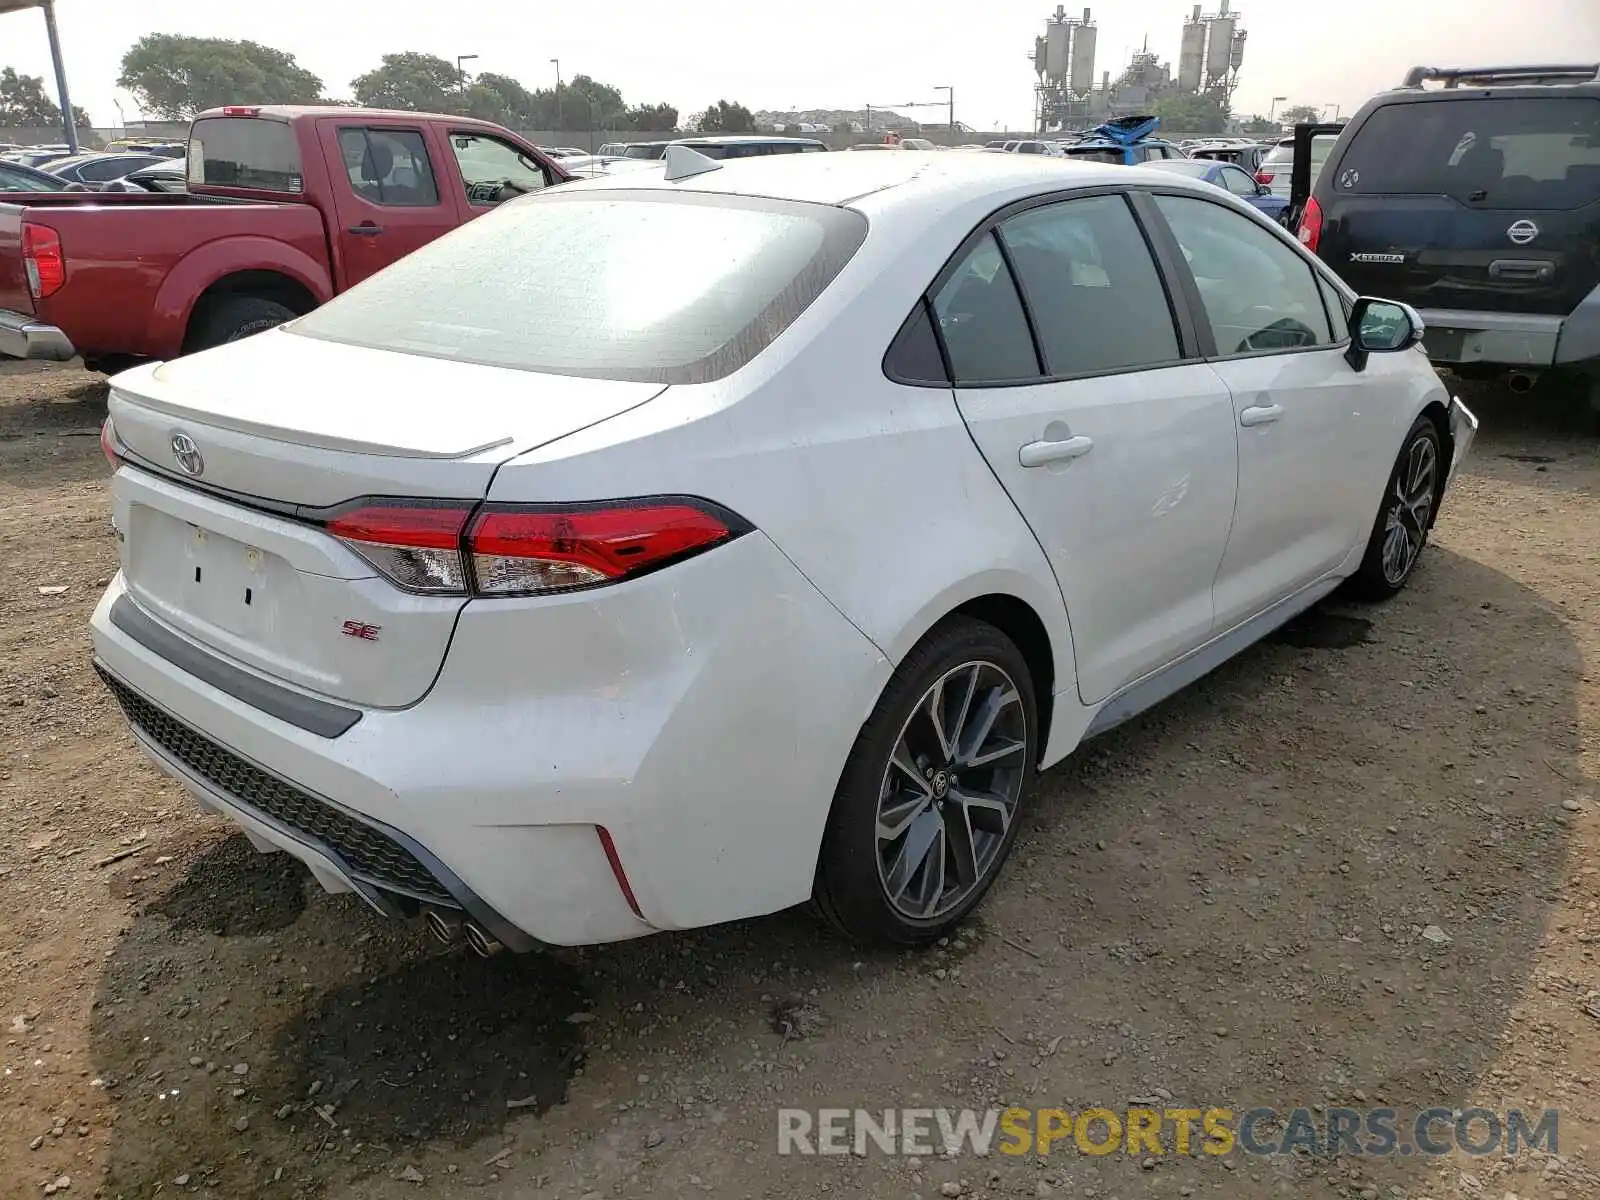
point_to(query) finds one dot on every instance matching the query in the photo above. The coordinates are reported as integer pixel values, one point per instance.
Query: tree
(724, 117)
(1259, 125)
(413, 81)
(175, 77)
(1191, 114)
(23, 102)
(1300, 114)
(652, 118)
(503, 100)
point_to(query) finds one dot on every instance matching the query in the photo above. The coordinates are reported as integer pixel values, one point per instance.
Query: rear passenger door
(386, 195)
(1082, 388)
(1300, 407)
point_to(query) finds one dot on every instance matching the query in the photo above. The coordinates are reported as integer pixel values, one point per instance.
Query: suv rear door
(1481, 200)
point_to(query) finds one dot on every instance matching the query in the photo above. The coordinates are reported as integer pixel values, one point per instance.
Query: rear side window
(1092, 287)
(980, 315)
(245, 152)
(654, 287)
(1496, 152)
(389, 167)
(1104, 154)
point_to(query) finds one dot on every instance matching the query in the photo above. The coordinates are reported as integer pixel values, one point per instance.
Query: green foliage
(1192, 114)
(1301, 114)
(1260, 126)
(23, 102)
(175, 77)
(412, 81)
(652, 118)
(725, 117)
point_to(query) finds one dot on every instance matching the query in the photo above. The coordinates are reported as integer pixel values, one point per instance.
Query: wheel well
(267, 285)
(1017, 620)
(1436, 413)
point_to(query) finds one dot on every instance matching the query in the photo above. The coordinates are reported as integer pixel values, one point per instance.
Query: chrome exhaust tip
(482, 943)
(446, 927)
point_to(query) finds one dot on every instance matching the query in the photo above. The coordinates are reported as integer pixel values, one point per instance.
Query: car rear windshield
(245, 152)
(662, 288)
(1105, 154)
(1495, 152)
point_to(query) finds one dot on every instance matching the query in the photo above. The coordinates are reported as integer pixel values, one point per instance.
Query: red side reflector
(43, 260)
(615, 860)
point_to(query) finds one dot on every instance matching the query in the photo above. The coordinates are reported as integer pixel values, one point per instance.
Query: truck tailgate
(14, 294)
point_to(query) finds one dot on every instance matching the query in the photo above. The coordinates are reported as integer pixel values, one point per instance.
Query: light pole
(945, 87)
(1335, 108)
(1273, 107)
(461, 75)
(122, 121)
(557, 63)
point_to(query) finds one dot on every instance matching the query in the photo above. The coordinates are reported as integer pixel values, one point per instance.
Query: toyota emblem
(1523, 232)
(187, 455)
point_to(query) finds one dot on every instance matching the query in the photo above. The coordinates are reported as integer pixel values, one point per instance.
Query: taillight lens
(454, 548)
(416, 545)
(108, 444)
(534, 549)
(1263, 177)
(1310, 231)
(43, 260)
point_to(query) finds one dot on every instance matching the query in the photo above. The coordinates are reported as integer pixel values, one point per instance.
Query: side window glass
(981, 319)
(914, 355)
(1092, 286)
(1259, 294)
(493, 171)
(1338, 312)
(389, 167)
(1238, 182)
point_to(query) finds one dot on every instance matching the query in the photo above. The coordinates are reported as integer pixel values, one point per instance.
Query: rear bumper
(1463, 430)
(1510, 340)
(23, 336)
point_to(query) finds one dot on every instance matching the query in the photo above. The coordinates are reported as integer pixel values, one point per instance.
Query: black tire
(855, 866)
(237, 317)
(1409, 500)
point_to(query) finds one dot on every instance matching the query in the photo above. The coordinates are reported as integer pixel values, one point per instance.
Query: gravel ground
(1223, 904)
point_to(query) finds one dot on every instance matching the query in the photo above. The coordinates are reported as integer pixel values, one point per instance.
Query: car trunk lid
(236, 458)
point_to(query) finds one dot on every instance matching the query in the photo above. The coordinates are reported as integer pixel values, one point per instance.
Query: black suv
(1478, 203)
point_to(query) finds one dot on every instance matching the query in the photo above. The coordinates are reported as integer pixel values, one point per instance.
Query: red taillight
(240, 110)
(1310, 231)
(528, 550)
(43, 260)
(621, 876)
(1263, 177)
(417, 545)
(523, 550)
(108, 444)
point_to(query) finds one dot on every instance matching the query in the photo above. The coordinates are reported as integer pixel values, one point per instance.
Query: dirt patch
(1352, 867)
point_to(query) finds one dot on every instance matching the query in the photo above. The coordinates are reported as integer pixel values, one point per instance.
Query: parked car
(94, 171)
(565, 151)
(1248, 156)
(1231, 179)
(286, 206)
(1479, 203)
(745, 145)
(1278, 163)
(157, 147)
(644, 150)
(1034, 146)
(561, 630)
(38, 156)
(14, 177)
(1127, 140)
(170, 176)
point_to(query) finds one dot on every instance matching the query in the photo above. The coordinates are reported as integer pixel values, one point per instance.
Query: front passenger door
(1115, 444)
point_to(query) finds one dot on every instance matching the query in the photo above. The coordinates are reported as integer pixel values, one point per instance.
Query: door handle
(1260, 414)
(1038, 454)
(366, 229)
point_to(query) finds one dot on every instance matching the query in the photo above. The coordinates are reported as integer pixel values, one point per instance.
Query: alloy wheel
(950, 790)
(1410, 508)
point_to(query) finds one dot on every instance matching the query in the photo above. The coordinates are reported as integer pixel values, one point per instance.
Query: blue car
(1232, 179)
(1125, 141)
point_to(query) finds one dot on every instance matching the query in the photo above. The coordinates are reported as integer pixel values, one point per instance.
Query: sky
(818, 53)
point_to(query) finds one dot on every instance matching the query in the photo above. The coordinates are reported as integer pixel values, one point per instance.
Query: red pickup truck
(287, 206)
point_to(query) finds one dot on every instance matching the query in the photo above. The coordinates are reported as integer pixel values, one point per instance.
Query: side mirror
(1382, 327)
(1263, 189)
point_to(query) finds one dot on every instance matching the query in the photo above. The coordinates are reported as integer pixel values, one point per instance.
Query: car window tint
(914, 355)
(1092, 287)
(389, 167)
(1338, 309)
(981, 320)
(1259, 294)
(493, 171)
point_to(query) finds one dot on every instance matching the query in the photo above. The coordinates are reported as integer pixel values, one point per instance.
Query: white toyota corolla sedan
(683, 546)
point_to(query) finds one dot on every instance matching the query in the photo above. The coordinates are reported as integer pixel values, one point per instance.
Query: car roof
(290, 112)
(841, 179)
(740, 139)
(1188, 166)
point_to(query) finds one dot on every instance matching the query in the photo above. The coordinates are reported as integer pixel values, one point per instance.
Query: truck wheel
(238, 317)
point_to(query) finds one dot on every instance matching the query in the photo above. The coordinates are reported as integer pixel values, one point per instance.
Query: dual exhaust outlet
(450, 927)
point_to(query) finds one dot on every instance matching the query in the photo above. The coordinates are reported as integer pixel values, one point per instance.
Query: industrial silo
(1083, 43)
(1192, 53)
(1056, 64)
(1219, 46)
(1236, 58)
